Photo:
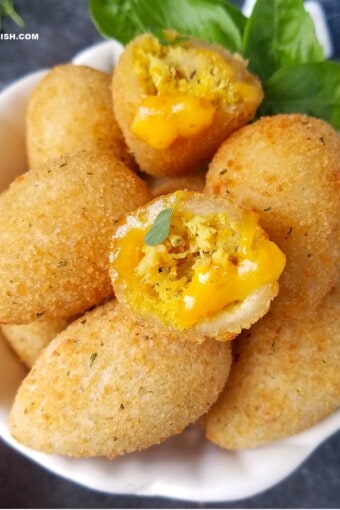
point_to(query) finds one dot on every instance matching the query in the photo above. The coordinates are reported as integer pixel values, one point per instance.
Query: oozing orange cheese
(160, 120)
(205, 265)
(214, 287)
(247, 92)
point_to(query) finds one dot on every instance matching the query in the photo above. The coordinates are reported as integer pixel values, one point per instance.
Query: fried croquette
(28, 340)
(284, 379)
(286, 169)
(166, 185)
(176, 103)
(213, 273)
(55, 229)
(108, 385)
(70, 110)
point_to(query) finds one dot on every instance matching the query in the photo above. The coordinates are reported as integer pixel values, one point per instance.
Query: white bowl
(186, 466)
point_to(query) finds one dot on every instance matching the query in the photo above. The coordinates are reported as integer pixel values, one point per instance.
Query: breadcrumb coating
(56, 223)
(215, 273)
(108, 385)
(287, 169)
(28, 340)
(191, 70)
(70, 110)
(284, 379)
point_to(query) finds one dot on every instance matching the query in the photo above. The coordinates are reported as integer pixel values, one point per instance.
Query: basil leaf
(216, 21)
(279, 34)
(313, 89)
(160, 229)
(115, 18)
(7, 9)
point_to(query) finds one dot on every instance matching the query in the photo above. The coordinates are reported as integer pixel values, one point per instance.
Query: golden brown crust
(184, 155)
(284, 379)
(70, 110)
(229, 322)
(287, 169)
(56, 222)
(165, 185)
(28, 340)
(108, 385)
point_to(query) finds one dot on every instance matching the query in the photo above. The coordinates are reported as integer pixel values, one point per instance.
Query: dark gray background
(64, 28)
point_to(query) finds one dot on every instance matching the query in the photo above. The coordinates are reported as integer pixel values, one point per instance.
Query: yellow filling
(206, 264)
(160, 120)
(183, 86)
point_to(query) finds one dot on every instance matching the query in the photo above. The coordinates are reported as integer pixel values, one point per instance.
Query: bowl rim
(299, 446)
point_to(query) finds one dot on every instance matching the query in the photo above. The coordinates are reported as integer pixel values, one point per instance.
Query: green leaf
(7, 9)
(160, 229)
(313, 89)
(115, 18)
(93, 358)
(279, 33)
(216, 21)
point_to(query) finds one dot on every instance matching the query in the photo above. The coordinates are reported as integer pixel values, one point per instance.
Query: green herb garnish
(7, 9)
(289, 231)
(278, 39)
(161, 226)
(216, 21)
(279, 34)
(166, 41)
(93, 358)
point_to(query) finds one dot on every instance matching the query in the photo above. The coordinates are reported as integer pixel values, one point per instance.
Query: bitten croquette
(177, 103)
(55, 229)
(214, 273)
(108, 385)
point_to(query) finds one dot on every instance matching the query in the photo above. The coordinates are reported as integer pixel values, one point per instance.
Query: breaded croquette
(213, 273)
(108, 385)
(55, 229)
(165, 185)
(28, 340)
(177, 102)
(287, 168)
(70, 110)
(285, 378)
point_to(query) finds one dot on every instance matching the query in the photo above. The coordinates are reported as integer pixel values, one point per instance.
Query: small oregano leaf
(160, 229)
(161, 226)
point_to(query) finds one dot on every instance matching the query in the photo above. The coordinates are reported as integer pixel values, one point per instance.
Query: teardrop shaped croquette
(284, 379)
(287, 168)
(108, 385)
(176, 103)
(55, 227)
(211, 274)
(28, 340)
(70, 110)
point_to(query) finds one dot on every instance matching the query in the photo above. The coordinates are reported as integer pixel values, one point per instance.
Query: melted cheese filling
(206, 264)
(160, 120)
(183, 87)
